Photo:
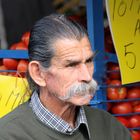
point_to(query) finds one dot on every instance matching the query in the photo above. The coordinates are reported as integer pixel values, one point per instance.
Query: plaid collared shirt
(54, 121)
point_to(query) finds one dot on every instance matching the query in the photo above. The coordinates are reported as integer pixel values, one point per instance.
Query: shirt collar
(54, 121)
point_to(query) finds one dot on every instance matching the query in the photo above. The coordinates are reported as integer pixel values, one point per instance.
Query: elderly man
(60, 76)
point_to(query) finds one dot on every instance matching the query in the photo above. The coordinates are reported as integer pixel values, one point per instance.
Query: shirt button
(69, 129)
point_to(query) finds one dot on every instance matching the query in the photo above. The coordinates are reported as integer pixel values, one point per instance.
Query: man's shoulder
(15, 124)
(101, 121)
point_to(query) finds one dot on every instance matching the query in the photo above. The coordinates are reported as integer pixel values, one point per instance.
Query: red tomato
(10, 63)
(115, 93)
(122, 108)
(2, 67)
(114, 71)
(115, 82)
(22, 66)
(25, 38)
(135, 134)
(21, 46)
(134, 93)
(13, 46)
(123, 120)
(136, 108)
(135, 103)
(134, 121)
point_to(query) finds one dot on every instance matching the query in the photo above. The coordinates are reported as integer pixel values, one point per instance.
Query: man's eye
(72, 65)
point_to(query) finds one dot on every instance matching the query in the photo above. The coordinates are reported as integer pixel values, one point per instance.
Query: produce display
(123, 101)
(16, 67)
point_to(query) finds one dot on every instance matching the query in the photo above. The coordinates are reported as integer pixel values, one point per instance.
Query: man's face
(70, 74)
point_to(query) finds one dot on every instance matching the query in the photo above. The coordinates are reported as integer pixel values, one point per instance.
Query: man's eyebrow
(73, 61)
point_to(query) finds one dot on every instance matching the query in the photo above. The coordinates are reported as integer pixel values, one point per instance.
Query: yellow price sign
(13, 92)
(124, 20)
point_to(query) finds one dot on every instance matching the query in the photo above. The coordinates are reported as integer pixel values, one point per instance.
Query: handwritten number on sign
(130, 54)
(122, 8)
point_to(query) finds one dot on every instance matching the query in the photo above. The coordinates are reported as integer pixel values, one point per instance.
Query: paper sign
(124, 20)
(13, 92)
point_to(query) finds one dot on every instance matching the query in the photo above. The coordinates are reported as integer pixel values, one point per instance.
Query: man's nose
(84, 74)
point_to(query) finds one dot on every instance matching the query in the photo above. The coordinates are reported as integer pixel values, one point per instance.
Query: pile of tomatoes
(16, 67)
(122, 101)
(115, 91)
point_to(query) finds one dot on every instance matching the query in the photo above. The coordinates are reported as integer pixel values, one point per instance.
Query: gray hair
(43, 36)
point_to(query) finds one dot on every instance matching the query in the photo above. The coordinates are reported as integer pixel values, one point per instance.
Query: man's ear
(36, 73)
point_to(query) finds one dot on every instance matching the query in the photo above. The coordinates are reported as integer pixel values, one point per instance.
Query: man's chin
(81, 100)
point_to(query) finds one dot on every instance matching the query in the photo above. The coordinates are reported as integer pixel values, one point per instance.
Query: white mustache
(81, 89)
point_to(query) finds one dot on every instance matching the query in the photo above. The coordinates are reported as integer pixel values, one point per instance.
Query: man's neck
(64, 110)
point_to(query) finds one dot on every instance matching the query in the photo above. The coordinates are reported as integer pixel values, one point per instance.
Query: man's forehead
(72, 48)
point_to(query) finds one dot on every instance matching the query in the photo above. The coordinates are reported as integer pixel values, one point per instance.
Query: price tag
(124, 20)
